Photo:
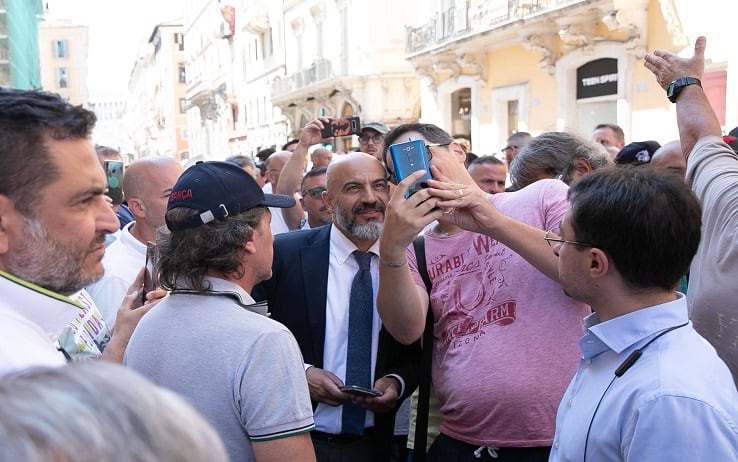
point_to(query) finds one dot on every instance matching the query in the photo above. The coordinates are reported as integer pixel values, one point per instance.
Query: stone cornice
(633, 23)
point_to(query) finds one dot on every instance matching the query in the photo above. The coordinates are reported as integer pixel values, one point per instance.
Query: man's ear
(458, 151)
(328, 201)
(137, 207)
(599, 264)
(583, 166)
(9, 218)
(249, 246)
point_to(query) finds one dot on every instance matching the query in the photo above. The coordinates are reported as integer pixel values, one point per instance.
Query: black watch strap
(675, 87)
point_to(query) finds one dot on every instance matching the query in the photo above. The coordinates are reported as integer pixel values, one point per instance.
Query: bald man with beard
(309, 293)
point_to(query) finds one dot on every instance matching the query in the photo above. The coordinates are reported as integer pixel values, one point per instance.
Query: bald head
(351, 165)
(274, 165)
(669, 157)
(147, 185)
(321, 157)
(141, 173)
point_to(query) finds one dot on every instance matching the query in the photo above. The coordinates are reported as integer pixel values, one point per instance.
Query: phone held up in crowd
(344, 126)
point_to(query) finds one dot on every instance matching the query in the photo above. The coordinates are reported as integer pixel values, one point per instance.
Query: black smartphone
(344, 126)
(151, 274)
(359, 390)
(409, 157)
(114, 175)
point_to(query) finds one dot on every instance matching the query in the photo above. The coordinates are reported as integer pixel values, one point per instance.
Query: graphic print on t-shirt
(473, 285)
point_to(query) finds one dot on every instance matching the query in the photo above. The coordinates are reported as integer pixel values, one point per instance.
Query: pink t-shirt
(506, 336)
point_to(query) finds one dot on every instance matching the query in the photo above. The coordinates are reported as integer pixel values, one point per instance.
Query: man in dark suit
(311, 291)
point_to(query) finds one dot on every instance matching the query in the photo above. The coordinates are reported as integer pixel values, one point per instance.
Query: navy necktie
(359, 354)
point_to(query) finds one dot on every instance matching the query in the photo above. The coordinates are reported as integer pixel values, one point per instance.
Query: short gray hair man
(94, 410)
(560, 155)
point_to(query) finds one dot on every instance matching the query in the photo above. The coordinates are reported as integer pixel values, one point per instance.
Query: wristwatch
(675, 87)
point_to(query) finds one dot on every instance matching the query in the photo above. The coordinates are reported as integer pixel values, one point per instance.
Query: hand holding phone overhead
(344, 126)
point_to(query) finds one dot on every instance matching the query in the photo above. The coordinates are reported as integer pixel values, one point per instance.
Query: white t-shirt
(123, 259)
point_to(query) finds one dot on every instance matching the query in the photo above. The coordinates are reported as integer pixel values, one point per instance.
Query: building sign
(597, 78)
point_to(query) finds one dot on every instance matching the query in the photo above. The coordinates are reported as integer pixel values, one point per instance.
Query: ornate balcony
(479, 16)
(318, 71)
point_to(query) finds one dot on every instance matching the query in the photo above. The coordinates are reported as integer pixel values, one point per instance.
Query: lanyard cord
(622, 369)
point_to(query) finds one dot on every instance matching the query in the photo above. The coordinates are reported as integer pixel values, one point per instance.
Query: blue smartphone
(409, 157)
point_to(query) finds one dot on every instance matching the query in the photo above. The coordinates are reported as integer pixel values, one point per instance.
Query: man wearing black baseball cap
(209, 341)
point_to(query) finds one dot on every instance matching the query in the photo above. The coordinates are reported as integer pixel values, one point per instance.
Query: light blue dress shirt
(677, 402)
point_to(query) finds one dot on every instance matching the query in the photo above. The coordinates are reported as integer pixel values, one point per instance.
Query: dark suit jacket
(297, 294)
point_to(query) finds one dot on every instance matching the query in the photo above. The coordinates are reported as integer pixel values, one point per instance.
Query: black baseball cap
(218, 190)
(637, 152)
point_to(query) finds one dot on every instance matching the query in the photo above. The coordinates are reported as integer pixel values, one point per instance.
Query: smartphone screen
(114, 175)
(151, 280)
(409, 157)
(344, 126)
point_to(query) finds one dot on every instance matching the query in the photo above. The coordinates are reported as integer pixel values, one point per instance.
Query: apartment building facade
(491, 68)
(63, 57)
(156, 110)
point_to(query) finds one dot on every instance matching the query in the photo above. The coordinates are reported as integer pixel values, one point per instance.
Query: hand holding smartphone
(151, 274)
(359, 390)
(341, 127)
(409, 157)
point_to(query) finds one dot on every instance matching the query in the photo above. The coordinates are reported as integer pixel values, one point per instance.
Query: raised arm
(472, 210)
(695, 116)
(291, 175)
(401, 303)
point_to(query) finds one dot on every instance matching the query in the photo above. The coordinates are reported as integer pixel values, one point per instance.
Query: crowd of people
(569, 299)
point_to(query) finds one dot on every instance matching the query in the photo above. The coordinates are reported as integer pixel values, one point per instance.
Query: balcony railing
(319, 70)
(456, 22)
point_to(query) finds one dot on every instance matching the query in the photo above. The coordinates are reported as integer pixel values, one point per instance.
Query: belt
(340, 438)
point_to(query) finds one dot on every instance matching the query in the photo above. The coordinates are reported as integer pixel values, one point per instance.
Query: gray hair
(95, 411)
(242, 161)
(519, 139)
(556, 153)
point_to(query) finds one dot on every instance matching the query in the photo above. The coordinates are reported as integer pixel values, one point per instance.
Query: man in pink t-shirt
(505, 335)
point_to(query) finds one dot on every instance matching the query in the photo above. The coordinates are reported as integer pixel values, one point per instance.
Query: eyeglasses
(508, 148)
(558, 240)
(316, 192)
(363, 139)
(433, 145)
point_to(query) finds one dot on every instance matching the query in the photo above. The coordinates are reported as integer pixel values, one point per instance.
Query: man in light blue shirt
(648, 387)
